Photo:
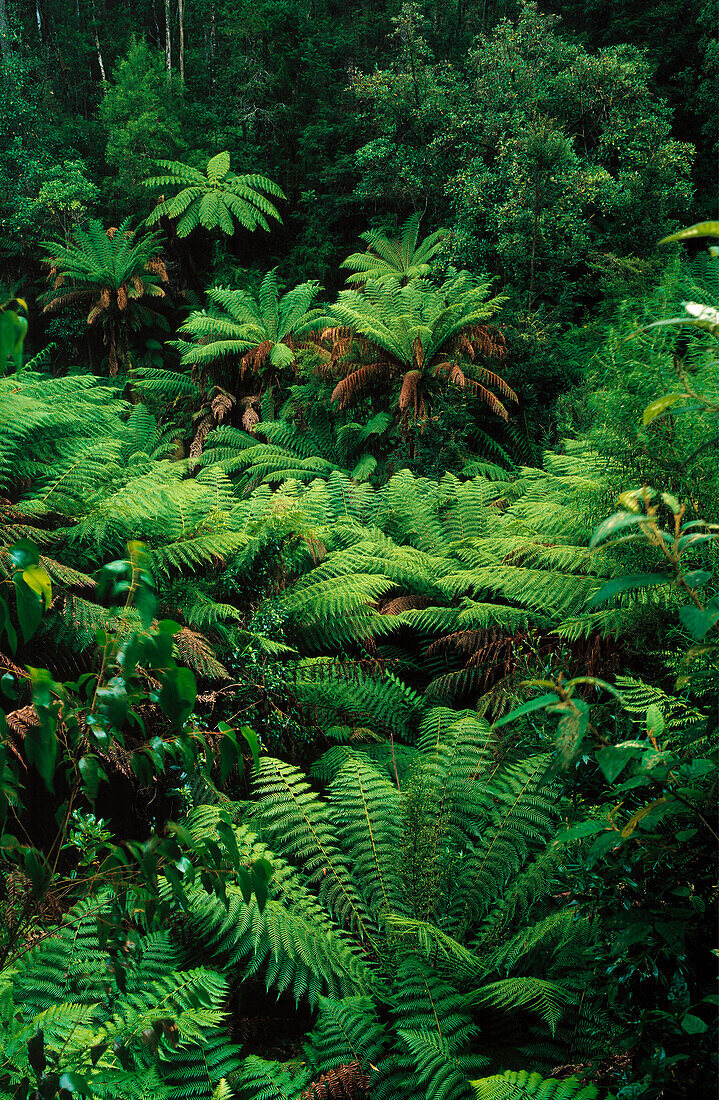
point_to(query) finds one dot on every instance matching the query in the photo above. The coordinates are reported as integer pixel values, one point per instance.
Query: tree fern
(214, 198)
(412, 332)
(387, 906)
(399, 257)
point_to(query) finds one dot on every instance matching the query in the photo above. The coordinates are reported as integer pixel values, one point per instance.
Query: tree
(142, 117)
(114, 270)
(549, 158)
(398, 256)
(214, 198)
(415, 332)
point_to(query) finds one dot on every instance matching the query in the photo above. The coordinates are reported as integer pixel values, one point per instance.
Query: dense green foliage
(359, 511)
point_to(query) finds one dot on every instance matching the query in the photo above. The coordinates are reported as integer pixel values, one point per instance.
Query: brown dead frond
(498, 383)
(194, 650)
(399, 604)
(350, 386)
(111, 231)
(343, 340)
(122, 298)
(411, 394)
(221, 403)
(105, 298)
(250, 419)
(255, 358)
(484, 340)
(348, 1082)
(138, 285)
(9, 666)
(489, 398)
(64, 299)
(204, 426)
(157, 267)
(464, 345)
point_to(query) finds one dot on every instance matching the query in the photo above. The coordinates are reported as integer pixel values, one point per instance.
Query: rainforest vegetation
(359, 591)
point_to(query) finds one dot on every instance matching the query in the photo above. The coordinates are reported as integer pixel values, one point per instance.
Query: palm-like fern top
(414, 331)
(113, 268)
(399, 256)
(253, 329)
(215, 197)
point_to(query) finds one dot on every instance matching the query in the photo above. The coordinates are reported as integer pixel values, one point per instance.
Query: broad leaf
(700, 229)
(627, 584)
(615, 523)
(698, 622)
(656, 408)
(539, 703)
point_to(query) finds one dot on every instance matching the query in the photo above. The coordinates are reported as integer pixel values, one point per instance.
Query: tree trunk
(4, 33)
(181, 21)
(168, 38)
(212, 44)
(157, 25)
(99, 57)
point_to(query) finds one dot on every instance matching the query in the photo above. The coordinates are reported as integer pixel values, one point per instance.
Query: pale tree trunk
(100, 62)
(168, 39)
(99, 57)
(4, 33)
(213, 43)
(157, 25)
(38, 16)
(181, 21)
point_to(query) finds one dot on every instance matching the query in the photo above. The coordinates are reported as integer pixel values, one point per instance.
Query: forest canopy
(359, 593)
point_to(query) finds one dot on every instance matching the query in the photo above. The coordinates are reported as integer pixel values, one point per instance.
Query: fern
(521, 1085)
(214, 198)
(67, 986)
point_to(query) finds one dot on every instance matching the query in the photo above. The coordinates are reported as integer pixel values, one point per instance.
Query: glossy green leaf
(92, 775)
(178, 694)
(628, 584)
(698, 622)
(539, 703)
(23, 553)
(693, 1025)
(73, 1082)
(697, 577)
(613, 759)
(29, 607)
(655, 721)
(610, 526)
(13, 330)
(245, 881)
(700, 229)
(660, 404)
(112, 702)
(37, 579)
(38, 871)
(253, 741)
